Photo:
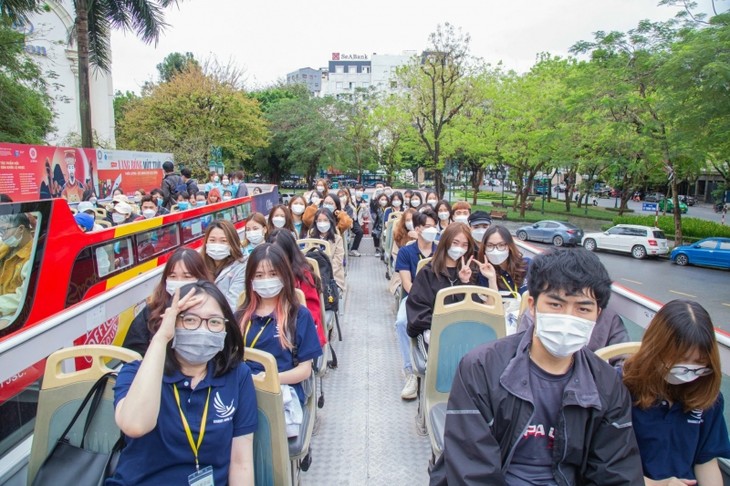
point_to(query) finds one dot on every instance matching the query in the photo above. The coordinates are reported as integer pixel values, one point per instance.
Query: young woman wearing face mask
(321, 187)
(304, 277)
(193, 364)
(450, 266)
(416, 200)
(224, 259)
(315, 202)
(280, 217)
(396, 205)
(324, 228)
(407, 198)
(502, 266)
(443, 211)
(183, 267)
(677, 415)
(214, 182)
(297, 206)
(214, 196)
(349, 207)
(272, 320)
(382, 205)
(431, 199)
(255, 233)
(332, 202)
(183, 202)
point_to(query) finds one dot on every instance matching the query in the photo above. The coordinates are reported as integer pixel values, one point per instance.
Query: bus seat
(422, 263)
(614, 350)
(456, 329)
(270, 447)
(523, 305)
(299, 445)
(306, 244)
(389, 229)
(62, 393)
(100, 213)
(103, 222)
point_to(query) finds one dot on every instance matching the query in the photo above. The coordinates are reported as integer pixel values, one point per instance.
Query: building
(348, 73)
(47, 42)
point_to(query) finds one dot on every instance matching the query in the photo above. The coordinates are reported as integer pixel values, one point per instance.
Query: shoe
(354, 253)
(377, 253)
(410, 390)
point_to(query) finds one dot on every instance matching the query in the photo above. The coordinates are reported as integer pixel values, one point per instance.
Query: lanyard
(512, 291)
(256, 338)
(195, 447)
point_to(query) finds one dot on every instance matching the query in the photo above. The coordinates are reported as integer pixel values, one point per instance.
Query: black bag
(70, 464)
(329, 284)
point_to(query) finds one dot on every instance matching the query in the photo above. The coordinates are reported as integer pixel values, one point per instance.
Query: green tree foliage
(25, 108)
(191, 114)
(390, 126)
(122, 101)
(176, 63)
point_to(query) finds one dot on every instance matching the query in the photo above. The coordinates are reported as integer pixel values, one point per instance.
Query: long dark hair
(232, 353)
(438, 264)
(234, 241)
(160, 299)
(516, 266)
(314, 231)
(287, 303)
(301, 268)
(288, 221)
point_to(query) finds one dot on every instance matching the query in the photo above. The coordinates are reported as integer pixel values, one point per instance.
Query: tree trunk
(82, 46)
(438, 179)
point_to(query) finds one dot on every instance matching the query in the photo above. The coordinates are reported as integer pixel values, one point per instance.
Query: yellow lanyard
(256, 338)
(195, 447)
(512, 291)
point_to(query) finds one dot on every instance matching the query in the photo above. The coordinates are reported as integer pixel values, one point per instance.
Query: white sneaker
(354, 253)
(410, 390)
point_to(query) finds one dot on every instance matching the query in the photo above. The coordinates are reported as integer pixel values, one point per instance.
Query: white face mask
(225, 182)
(429, 234)
(320, 188)
(13, 241)
(149, 213)
(331, 207)
(323, 227)
(172, 285)
(297, 209)
(415, 202)
(316, 200)
(217, 251)
(254, 236)
(226, 198)
(118, 218)
(433, 203)
(677, 379)
(478, 234)
(216, 179)
(456, 252)
(460, 218)
(496, 257)
(409, 225)
(383, 203)
(396, 203)
(267, 287)
(562, 334)
(443, 215)
(278, 221)
(358, 194)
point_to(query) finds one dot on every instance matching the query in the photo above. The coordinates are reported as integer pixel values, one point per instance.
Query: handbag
(70, 464)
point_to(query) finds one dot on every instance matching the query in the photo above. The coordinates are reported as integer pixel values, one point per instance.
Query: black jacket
(419, 306)
(491, 403)
(169, 188)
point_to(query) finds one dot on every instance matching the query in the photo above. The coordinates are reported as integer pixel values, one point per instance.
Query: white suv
(640, 241)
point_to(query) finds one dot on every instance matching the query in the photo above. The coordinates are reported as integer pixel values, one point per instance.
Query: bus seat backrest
(62, 393)
(305, 244)
(422, 263)
(614, 350)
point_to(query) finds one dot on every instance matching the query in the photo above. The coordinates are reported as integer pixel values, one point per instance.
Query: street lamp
(501, 175)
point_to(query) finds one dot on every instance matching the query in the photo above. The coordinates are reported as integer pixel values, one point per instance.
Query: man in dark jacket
(170, 184)
(538, 407)
(192, 184)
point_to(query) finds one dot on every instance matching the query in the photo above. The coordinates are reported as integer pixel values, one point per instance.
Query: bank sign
(338, 56)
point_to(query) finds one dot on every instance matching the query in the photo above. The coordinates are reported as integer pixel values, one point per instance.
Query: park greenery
(645, 109)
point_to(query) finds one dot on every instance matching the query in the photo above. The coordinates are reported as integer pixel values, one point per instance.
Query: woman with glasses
(674, 381)
(188, 409)
(503, 268)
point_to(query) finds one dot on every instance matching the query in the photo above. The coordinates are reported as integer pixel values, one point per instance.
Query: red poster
(128, 171)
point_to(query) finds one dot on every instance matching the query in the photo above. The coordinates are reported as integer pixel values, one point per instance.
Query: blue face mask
(182, 206)
(159, 202)
(199, 204)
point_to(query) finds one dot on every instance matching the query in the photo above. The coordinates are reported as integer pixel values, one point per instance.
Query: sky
(270, 38)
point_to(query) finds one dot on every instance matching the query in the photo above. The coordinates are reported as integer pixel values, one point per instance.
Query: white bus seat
(456, 329)
(270, 445)
(615, 350)
(422, 263)
(306, 244)
(100, 213)
(61, 395)
(103, 222)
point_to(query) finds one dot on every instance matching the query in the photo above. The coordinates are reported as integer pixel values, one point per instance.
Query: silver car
(639, 241)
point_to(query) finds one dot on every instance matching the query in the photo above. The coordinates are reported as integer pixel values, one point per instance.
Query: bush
(692, 228)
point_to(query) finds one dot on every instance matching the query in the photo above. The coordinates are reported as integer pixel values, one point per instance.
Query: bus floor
(367, 434)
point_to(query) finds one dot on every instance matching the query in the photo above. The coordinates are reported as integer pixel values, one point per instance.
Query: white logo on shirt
(221, 409)
(695, 416)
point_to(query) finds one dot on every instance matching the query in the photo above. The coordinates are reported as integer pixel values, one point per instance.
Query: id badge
(204, 477)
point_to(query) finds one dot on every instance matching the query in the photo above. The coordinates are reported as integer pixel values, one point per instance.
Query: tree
(191, 114)
(439, 87)
(390, 125)
(25, 107)
(122, 102)
(176, 63)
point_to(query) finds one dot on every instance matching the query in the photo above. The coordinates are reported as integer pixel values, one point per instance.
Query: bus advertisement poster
(129, 171)
(32, 172)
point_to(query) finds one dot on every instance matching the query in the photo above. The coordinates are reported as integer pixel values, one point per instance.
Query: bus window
(195, 228)
(17, 251)
(114, 256)
(156, 241)
(227, 214)
(243, 210)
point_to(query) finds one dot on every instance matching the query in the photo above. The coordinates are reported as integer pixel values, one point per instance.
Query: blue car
(710, 252)
(558, 233)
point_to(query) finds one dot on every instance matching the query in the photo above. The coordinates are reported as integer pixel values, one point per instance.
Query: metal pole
(542, 211)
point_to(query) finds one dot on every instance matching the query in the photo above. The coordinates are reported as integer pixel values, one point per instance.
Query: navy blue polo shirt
(306, 341)
(672, 442)
(408, 258)
(164, 456)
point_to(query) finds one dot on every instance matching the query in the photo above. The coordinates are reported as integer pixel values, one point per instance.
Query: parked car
(670, 206)
(653, 197)
(558, 233)
(688, 200)
(639, 241)
(710, 252)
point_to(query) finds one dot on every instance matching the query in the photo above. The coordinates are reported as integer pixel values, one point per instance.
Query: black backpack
(175, 185)
(329, 285)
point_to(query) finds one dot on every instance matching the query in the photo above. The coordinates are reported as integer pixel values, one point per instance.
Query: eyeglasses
(498, 246)
(192, 322)
(683, 371)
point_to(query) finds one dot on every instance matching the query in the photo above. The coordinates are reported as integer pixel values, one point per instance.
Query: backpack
(329, 285)
(176, 185)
